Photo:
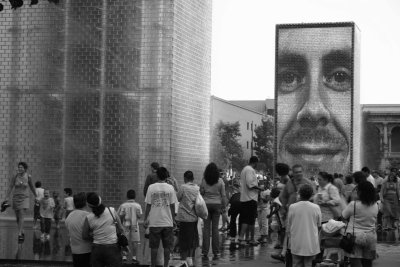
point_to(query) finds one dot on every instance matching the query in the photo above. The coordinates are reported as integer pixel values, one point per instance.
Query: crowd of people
(290, 207)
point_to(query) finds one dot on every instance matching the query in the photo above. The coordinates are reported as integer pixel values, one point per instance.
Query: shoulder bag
(200, 207)
(348, 240)
(122, 240)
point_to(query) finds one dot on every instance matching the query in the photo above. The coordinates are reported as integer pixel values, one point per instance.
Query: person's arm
(10, 187)
(289, 221)
(31, 186)
(139, 212)
(86, 231)
(146, 215)
(223, 196)
(146, 185)
(334, 197)
(121, 213)
(251, 180)
(173, 201)
(349, 210)
(202, 190)
(179, 195)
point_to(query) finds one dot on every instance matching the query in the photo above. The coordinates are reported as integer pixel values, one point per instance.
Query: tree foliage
(264, 142)
(230, 150)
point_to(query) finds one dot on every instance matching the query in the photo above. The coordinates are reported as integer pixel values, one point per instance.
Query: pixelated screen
(314, 90)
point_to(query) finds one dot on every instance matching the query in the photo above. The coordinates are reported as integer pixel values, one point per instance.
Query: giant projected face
(314, 90)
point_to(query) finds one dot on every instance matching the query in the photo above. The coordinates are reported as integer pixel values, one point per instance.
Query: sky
(243, 44)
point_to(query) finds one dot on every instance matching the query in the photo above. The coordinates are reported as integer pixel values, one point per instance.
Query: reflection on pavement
(57, 248)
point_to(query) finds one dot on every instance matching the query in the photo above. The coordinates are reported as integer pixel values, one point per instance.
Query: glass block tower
(92, 92)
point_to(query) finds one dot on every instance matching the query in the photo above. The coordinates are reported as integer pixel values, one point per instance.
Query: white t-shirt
(69, 203)
(248, 179)
(130, 211)
(160, 196)
(74, 223)
(371, 179)
(303, 221)
(39, 193)
(103, 227)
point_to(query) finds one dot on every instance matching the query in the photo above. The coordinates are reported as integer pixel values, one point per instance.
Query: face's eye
(338, 79)
(289, 81)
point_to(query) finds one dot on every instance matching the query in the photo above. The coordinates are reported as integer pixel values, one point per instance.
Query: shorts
(133, 234)
(248, 212)
(166, 234)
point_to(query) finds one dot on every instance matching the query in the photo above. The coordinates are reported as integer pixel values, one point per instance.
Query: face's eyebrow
(337, 58)
(292, 61)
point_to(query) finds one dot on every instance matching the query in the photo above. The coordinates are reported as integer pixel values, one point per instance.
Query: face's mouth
(314, 145)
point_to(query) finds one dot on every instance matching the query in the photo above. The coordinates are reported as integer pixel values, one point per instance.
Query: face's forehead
(314, 40)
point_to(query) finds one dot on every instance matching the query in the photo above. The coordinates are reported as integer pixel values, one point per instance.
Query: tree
(230, 149)
(264, 142)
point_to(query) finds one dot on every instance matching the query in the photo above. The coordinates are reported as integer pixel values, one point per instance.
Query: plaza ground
(33, 252)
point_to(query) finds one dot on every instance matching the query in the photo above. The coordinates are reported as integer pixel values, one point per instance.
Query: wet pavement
(57, 250)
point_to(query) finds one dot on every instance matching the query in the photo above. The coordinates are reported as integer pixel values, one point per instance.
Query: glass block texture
(317, 123)
(88, 92)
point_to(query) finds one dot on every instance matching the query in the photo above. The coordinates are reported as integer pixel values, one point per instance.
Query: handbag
(122, 241)
(200, 207)
(348, 240)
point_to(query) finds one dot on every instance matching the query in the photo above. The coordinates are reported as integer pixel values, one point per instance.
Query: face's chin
(317, 149)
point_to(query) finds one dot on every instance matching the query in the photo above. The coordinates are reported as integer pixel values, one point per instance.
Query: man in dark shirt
(152, 177)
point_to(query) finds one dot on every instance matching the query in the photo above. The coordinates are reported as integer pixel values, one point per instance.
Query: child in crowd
(68, 201)
(36, 209)
(130, 212)
(234, 210)
(275, 213)
(46, 214)
(58, 211)
(263, 212)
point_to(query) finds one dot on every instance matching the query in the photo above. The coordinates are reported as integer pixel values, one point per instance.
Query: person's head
(349, 179)
(131, 194)
(188, 177)
(359, 177)
(46, 193)
(282, 169)
(366, 193)
(324, 178)
(253, 161)
(80, 200)
(67, 192)
(392, 177)
(211, 174)
(314, 79)
(94, 202)
(55, 194)
(305, 192)
(154, 166)
(297, 171)
(162, 173)
(38, 184)
(22, 167)
(366, 170)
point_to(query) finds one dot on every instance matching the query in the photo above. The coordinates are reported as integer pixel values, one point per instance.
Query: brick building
(92, 92)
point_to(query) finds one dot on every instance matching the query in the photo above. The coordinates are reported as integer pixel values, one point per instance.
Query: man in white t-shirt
(248, 201)
(160, 216)
(81, 249)
(303, 223)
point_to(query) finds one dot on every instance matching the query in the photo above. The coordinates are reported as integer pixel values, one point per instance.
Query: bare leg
(167, 252)
(243, 231)
(19, 214)
(154, 256)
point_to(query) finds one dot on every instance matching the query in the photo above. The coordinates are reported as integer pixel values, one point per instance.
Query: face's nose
(314, 112)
